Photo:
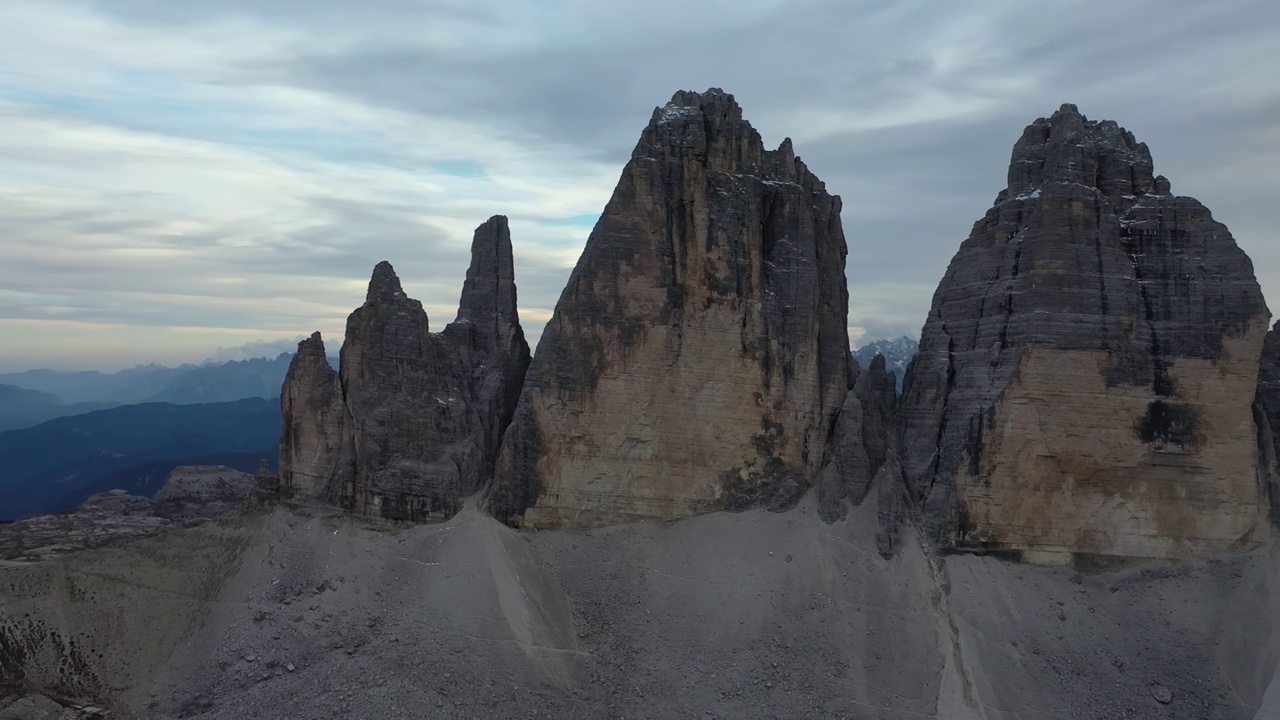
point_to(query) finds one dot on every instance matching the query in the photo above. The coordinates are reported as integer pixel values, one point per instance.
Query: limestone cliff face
(699, 353)
(1087, 368)
(410, 425)
(1267, 416)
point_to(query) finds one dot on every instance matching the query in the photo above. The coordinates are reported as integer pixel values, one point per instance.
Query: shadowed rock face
(698, 355)
(1086, 370)
(863, 455)
(1267, 416)
(863, 442)
(411, 424)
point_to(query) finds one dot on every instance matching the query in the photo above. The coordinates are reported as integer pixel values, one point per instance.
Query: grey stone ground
(749, 615)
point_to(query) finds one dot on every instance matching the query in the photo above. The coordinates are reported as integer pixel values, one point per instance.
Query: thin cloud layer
(186, 176)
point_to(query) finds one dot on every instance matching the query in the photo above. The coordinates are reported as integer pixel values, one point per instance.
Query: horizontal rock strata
(1087, 368)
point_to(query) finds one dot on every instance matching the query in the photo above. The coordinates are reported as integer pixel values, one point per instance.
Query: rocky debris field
(752, 614)
(190, 494)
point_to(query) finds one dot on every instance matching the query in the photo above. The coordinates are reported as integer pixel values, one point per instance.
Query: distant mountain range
(32, 397)
(897, 354)
(21, 407)
(56, 465)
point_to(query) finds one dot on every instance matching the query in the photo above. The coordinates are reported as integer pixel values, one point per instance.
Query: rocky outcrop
(1267, 416)
(896, 351)
(39, 707)
(117, 503)
(864, 441)
(1086, 371)
(190, 493)
(266, 487)
(410, 425)
(202, 491)
(862, 456)
(699, 353)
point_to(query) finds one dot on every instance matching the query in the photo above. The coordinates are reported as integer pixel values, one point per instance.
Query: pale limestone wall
(1063, 469)
(640, 447)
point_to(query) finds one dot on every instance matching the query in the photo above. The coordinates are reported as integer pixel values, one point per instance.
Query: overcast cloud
(179, 177)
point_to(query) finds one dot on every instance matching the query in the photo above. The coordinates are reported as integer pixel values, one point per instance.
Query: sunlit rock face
(699, 354)
(1087, 370)
(410, 425)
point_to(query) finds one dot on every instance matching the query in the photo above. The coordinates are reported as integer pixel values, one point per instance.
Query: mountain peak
(1067, 147)
(312, 346)
(489, 291)
(385, 284)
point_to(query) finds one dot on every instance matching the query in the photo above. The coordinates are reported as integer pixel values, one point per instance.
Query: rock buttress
(422, 413)
(698, 355)
(1086, 371)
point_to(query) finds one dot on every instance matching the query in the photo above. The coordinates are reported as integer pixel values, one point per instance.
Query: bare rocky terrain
(314, 614)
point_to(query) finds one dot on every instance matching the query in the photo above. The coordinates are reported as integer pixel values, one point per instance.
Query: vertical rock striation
(699, 353)
(315, 440)
(411, 424)
(1086, 371)
(1267, 416)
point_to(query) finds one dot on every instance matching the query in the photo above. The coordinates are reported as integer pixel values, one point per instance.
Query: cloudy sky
(178, 176)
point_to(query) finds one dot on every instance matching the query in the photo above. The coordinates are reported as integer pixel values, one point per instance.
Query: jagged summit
(313, 345)
(1067, 147)
(710, 126)
(384, 284)
(410, 425)
(488, 299)
(714, 104)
